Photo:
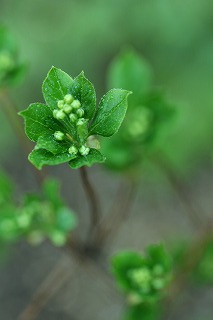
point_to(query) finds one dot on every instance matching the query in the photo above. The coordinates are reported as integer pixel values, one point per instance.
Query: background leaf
(130, 71)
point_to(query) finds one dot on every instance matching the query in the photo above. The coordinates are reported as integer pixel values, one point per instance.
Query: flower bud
(158, 283)
(81, 121)
(60, 104)
(73, 150)
(84, 150)
(68, 98)
(76, 104)
(67, 108)
(73, 117)
(92, 142)
(59, 135)
(80, 112)
(59, 114)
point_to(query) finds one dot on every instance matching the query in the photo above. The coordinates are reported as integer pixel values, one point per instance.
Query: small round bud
(73, 117)
(59, 135)
(67, 108)
(80, 112)
(158, 270)
(68, 98)
(60, 104)
(84, 150)
(92, 142)
(76, 104)
(59, 114)
(81, 121)
(158, 283)
(73, 150)
(6, 62)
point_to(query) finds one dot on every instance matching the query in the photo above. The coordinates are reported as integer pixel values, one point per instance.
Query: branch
(118, 214)
(92, 199)
(11, 111)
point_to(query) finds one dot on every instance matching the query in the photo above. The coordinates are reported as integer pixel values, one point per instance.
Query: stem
(176, 183)
(119, 212)
(190, 260)
(11, 111)
(92, 199)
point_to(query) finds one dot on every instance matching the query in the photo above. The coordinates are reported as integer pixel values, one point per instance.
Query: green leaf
(41, 157)
(203, 272)
(111, 112)
(130, 71)
(11, 70)
(143, 312)
(47, 141)
(84, 91)
(122, 262)
(157, 254)
(39, 121)
(56, 85)
(7, 42)
(94, 156)
(66, 219)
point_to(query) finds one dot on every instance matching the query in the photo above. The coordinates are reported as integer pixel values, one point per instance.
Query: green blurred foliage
(147, 114)
(37, 217)
(142, 312)
(143, 278)
(11, 70)
(203, 272)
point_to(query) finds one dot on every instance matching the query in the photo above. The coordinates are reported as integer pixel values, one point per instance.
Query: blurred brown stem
(178, 186)
(119, 212)
(11, 111)
(190, 260)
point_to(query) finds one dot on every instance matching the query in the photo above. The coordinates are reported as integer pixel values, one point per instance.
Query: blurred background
(176, 39)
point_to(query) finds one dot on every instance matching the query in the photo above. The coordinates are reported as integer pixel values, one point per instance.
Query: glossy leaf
(83, 90)
(56, 85)
(47, 141)
(39, 121)
(110, 114)
(42, 157)
(94, 156)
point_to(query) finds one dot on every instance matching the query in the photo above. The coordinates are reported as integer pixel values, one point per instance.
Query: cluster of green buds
(70, 113)
(146, 281)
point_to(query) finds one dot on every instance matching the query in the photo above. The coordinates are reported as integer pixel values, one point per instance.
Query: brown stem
(177, 185)
(189, 262)
(58, 276)
(11, 111)
(92, 199)
(48, 288)
(118, 214)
